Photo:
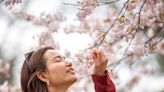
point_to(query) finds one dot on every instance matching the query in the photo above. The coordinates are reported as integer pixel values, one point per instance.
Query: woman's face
(59, 71)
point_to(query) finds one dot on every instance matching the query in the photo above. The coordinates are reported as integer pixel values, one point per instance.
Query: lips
(71, 71)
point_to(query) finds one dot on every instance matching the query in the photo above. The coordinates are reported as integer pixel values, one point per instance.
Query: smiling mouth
(71, 71)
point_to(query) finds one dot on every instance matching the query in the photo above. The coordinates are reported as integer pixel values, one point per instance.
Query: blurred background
(18, 36)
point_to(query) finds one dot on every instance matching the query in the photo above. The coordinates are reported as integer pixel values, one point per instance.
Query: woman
(46, 70)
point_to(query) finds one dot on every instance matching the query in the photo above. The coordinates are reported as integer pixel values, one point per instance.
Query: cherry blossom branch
(159, 40)
(106, 3)
(71, 4)
(132, 37)
(104, 35)
(9, 2)
(51, 21)
(157, 33)
(125, 50)
(110, 2)
(139, 13)
(98, 3)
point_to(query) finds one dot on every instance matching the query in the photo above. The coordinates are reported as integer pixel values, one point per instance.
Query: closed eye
(58, 58)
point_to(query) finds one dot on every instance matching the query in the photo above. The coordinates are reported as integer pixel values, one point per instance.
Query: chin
(73, 79)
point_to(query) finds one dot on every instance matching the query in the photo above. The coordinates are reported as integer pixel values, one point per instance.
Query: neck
(57, 88)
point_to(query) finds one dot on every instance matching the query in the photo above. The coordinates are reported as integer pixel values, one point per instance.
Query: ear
(42, 76)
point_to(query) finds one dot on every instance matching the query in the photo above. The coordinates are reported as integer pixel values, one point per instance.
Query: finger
(94, 54)
(103, 56)
(97, 53)
(96, 57)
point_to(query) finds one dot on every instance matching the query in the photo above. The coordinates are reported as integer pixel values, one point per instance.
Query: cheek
(56, 72)
(56, 69)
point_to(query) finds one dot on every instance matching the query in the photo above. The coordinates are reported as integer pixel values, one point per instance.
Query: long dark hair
(34, 62)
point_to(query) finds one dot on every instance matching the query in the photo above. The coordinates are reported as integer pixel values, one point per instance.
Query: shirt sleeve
(103, 83)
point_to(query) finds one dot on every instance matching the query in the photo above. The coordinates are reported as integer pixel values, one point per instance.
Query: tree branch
(98, 3)
(71, 4)
(125, 50)
(151, 38)
(112, 24)
(132, 37)
(106, 3)
(159, 40)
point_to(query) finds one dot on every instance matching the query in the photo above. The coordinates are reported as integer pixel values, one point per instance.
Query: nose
(68, 63)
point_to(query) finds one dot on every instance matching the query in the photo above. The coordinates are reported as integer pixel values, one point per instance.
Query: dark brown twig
(103, 37)
(132, 37)
(98, 3)
(106, 3)
(71, 4)
(125, 50)
(159, 40)
(151, 38)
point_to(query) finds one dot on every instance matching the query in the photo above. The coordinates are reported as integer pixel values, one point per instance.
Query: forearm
(100, 77)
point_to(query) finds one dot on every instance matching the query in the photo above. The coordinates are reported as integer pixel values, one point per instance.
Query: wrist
(99, 70)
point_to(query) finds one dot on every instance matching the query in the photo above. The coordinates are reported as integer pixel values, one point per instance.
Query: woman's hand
(100, 61)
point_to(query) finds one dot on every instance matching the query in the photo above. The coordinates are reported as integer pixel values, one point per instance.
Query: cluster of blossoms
(46, 39)
(86, 8)
(5, 87)
(5, 75)
(12, 2)
(149, 21)
(4, 68)
(51, 21)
